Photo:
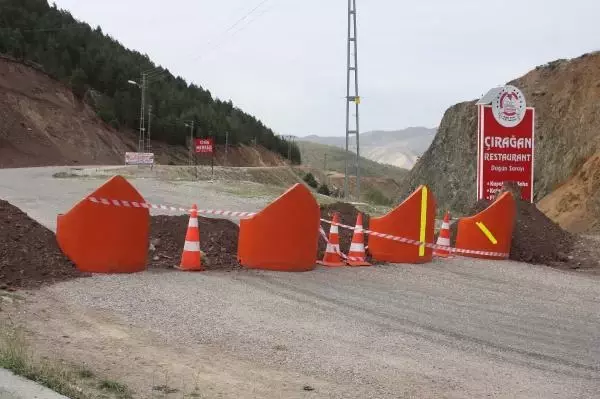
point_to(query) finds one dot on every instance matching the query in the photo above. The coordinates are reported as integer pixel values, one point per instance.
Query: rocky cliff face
(566, 95)
(42, 123)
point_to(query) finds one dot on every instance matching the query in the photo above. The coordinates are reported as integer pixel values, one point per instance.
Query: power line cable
(229, 29)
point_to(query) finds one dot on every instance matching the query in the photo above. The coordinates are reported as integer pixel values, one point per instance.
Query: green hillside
(313, 155)
(98, 68)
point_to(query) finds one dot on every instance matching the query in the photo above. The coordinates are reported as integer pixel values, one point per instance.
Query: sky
(284, 61)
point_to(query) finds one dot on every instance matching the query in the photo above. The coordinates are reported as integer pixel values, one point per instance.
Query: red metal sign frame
(504, 154)
(204, 146)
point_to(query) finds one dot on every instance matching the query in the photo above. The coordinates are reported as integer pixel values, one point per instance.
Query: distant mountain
(400, 148)
(332, 159)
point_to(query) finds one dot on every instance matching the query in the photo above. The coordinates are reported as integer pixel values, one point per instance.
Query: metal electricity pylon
(352, 96)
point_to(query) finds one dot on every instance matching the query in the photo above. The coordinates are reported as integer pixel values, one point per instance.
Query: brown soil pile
(218, 241)
(348, 214)
(29, 254)
(536, 239)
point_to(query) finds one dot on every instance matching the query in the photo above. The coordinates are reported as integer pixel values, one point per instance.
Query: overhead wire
(155, 72)
(159, 70)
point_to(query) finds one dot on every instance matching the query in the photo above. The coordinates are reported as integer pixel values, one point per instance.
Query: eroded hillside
(42, 123)
(565, 95)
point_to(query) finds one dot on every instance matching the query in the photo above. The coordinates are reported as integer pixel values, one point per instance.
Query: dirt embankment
(29, 254)
(43, 124)
(575, 205)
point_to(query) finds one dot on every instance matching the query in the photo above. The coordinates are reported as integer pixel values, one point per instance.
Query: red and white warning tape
(419, 243)
(343, 255)
(147, 205)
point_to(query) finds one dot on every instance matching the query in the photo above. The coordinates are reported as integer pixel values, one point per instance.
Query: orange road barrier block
(332, 257)
(490, 230)
(191, 258)
(413, 219)
(283, 236)
(444, 238)
(357, 255)
(102, 238)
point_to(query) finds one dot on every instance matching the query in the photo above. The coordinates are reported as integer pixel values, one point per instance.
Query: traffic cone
(357, 255)
(332, 257)
(444, 238)
(191, 259)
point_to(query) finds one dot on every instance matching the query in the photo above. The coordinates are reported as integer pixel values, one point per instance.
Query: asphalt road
(458, 329)
(15, 387)
(42, 196)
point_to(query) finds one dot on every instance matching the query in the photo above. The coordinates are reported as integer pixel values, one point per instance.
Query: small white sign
(139, 158)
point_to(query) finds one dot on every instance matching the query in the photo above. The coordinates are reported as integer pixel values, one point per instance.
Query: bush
(310, 180)
(323, 189)
(376, 197)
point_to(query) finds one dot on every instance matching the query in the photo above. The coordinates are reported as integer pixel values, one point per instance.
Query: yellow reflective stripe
(487, 233)
(423, 220)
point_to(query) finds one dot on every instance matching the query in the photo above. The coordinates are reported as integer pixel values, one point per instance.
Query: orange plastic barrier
(105, 238)
(413, 219)
(283, 236)
(490, 230)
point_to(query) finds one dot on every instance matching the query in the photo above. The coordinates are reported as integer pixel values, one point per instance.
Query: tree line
(98, 68)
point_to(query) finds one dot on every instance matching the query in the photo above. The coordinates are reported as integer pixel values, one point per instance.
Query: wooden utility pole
(191, 160)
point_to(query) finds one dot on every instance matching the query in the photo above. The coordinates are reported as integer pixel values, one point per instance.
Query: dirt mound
(536, 238)
(29, 254)
(348, 214)
(218, 241)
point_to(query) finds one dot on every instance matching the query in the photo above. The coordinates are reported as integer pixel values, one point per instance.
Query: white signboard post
(139, 158)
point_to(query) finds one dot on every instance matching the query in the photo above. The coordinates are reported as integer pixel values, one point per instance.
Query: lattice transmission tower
(352, 96)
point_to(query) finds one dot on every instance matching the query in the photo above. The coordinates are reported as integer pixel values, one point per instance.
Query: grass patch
(376, 197)
(250, 190)
(85, 373)
(64, 175)
(115, 387)
(165, 389)
(75, 383)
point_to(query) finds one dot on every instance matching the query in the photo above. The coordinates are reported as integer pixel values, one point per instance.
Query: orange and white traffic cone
(332, 257)
(444, 238)
(357, 254)
(191, 259)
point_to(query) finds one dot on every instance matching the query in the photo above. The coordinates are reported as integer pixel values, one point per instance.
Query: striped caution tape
(147, 205)
(420, 243)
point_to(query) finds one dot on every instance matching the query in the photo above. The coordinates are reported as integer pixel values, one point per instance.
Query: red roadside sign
(505, 150)
(204, 146)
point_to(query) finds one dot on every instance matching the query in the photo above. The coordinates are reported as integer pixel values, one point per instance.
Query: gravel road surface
(458, 328)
